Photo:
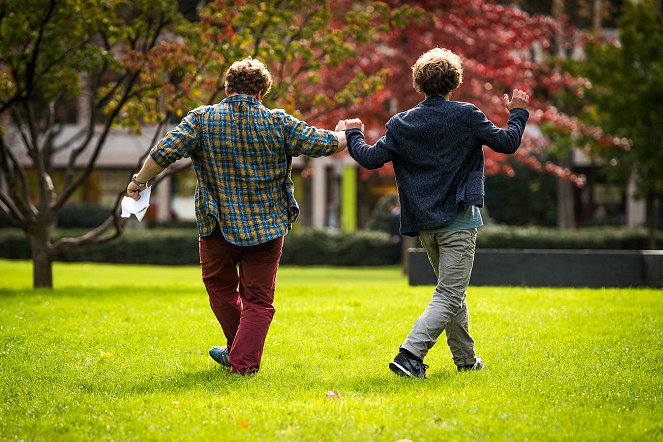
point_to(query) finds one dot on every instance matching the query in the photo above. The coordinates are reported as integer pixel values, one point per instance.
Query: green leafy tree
(626, 99)
(52, 53)
(138, 64)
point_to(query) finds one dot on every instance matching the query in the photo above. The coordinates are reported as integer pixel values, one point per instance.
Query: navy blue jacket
(436, 150)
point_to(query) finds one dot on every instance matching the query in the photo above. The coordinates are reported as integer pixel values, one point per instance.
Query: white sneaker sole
(399, 369)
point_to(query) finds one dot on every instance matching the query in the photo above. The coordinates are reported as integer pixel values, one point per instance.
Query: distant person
(242, 154)
(436, 151)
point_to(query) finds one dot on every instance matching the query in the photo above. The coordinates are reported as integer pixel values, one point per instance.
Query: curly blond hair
(248, 76)
(437, 72)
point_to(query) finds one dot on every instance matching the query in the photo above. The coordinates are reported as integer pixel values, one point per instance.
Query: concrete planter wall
(553, 268)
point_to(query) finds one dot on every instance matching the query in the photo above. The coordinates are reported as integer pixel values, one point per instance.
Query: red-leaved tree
(502, 48)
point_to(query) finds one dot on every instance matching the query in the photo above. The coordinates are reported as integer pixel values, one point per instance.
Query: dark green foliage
(594, 238)
(14, 244)
(310, 247)
(180, 247)
(323, 247)
(74, 216)
(380, 219)
(527, 198)
(4, 220)
(626, 97)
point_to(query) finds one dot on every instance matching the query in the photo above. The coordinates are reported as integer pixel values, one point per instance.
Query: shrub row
(593, 238)
(323, 247)
(180, 247)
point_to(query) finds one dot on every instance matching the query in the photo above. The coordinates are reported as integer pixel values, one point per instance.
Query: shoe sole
(400, 370)
(470, 368)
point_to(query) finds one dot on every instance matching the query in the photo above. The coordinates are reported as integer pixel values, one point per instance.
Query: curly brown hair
(437, 72)
(248, 76)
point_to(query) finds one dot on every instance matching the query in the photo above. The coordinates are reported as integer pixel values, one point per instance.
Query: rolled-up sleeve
(178, 143)
(302, 139)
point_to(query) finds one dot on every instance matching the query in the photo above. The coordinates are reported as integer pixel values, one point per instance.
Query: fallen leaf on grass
(332, 394)
(245, 424)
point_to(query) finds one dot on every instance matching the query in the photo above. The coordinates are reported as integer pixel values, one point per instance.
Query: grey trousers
(452, 255)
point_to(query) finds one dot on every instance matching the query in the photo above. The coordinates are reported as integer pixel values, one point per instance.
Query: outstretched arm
(370, 157)
(178, 143)
(139, 181)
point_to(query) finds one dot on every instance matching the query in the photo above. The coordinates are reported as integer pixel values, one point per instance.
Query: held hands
(344, 125)
(519, 99)
(354, 123)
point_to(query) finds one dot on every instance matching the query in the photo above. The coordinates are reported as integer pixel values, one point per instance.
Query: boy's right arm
(505, 140)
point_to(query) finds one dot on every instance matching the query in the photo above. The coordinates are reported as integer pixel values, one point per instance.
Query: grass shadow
(217, 380)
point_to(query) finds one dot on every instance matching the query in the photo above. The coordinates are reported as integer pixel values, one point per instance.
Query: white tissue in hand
(138, 208)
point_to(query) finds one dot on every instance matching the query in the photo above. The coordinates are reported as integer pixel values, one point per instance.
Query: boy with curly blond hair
(437, 152)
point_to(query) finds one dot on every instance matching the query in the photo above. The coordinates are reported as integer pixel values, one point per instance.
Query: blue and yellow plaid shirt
(242, 154)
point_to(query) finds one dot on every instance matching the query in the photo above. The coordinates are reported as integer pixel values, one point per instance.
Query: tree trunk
(42, 261)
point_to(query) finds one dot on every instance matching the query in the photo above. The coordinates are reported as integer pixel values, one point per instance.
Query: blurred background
(87, 87)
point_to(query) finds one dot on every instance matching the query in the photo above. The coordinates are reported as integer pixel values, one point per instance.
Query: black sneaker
(478, 365)
(404, 365)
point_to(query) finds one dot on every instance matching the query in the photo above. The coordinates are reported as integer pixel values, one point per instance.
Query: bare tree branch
(10, 208)
(32, 65)
(74, 183)
(21, 126)
(46, 146)
(20, 208)
(88, 129)
(46, 187)
(94, 236)
(17, 178)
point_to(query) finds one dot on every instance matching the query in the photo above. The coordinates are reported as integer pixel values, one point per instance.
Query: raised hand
(519, 99)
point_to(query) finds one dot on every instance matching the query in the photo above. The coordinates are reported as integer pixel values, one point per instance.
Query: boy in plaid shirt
(245, 204)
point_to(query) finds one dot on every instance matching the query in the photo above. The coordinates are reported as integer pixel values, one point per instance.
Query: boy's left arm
(369, 157)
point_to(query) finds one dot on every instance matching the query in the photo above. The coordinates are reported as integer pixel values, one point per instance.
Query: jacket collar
(433, 100)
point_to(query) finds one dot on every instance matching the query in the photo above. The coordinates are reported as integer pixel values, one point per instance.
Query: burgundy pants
(240, 282)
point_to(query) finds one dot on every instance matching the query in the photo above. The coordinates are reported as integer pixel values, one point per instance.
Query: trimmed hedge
(593, 238)
(324, 247)
(327, 247)
(82, 215)
(180, 247)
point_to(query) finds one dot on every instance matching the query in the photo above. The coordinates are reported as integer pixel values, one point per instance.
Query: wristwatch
(134, 179)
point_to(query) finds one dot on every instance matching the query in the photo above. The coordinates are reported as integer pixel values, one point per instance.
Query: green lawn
(120, 353)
